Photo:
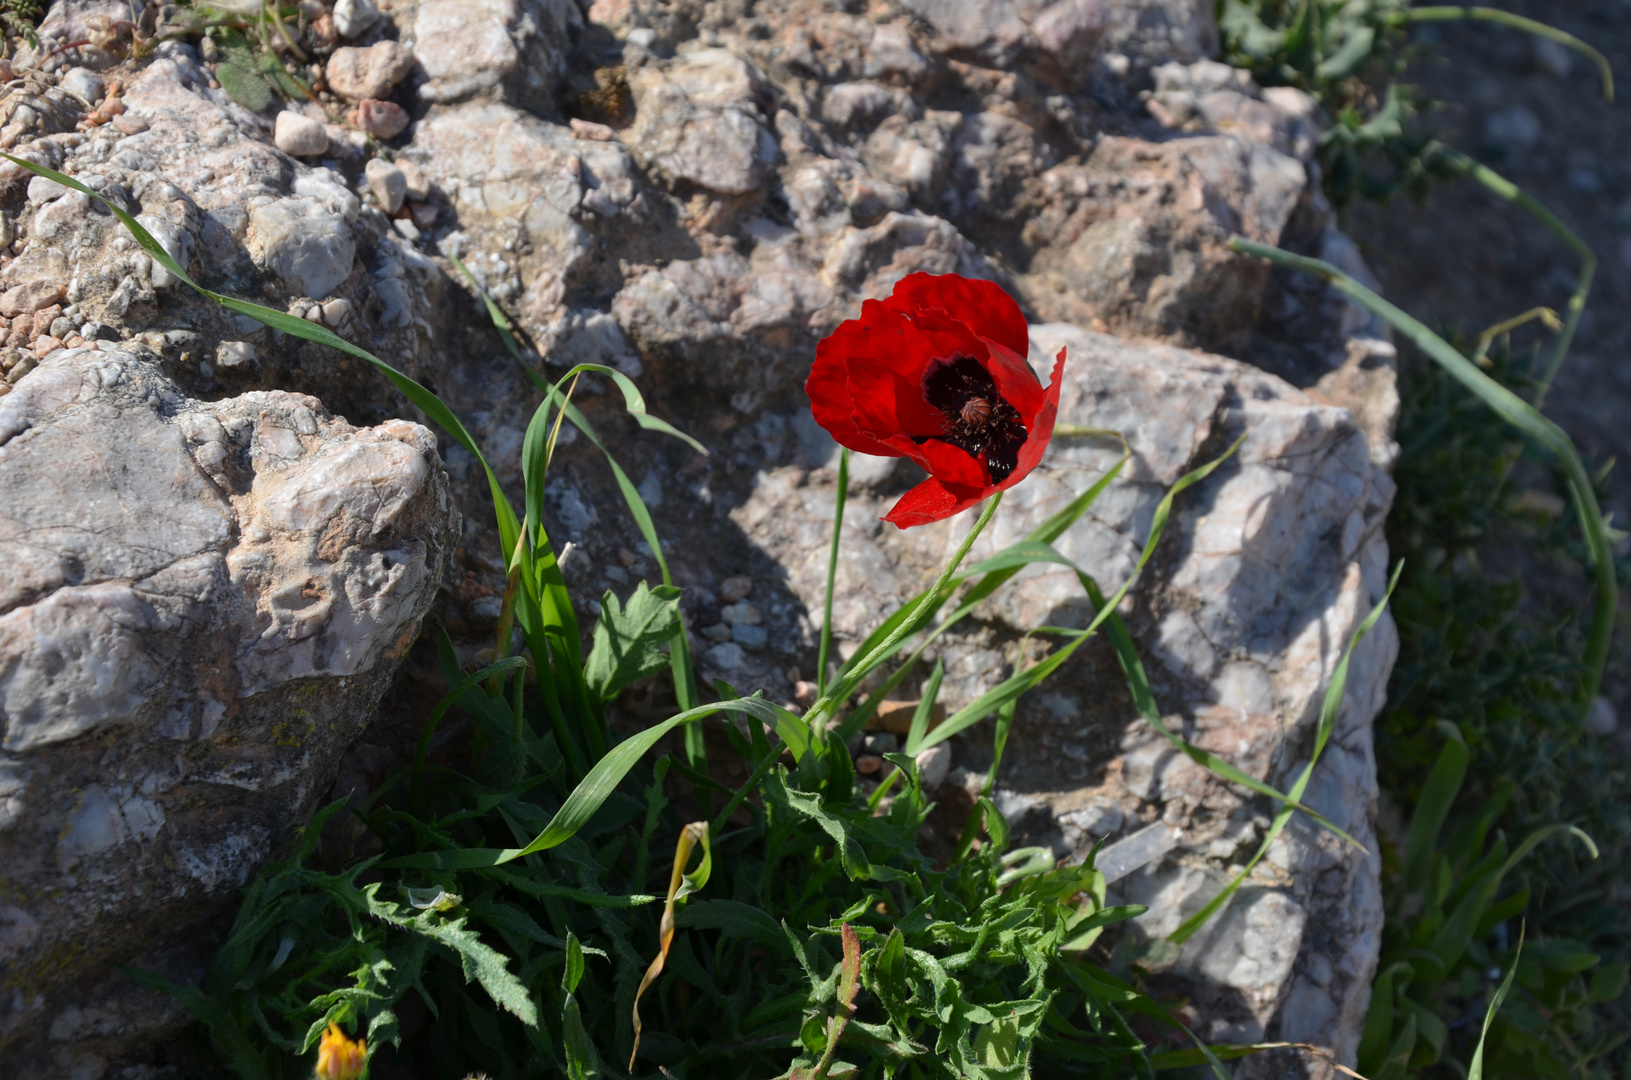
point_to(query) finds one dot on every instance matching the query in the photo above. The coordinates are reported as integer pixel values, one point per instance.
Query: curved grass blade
(1515, 411)
(1322, 735)
(1013, 687)
(603, 779)
(1443, 13)
(680, 885)
(1475, 1068)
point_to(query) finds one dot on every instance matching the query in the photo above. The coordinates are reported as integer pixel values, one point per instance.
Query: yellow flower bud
(340, 1058)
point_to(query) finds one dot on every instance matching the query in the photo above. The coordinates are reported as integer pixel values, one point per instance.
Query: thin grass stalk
(1515, 411)
(832, 572)
(1509, 191)
(1447, 13)
(927, 604)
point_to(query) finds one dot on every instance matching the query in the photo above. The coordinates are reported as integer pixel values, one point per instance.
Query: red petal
(1041, 429)
(1016, 382)
(980, 305)
(867, 381)
(932, 501)
(951, 464)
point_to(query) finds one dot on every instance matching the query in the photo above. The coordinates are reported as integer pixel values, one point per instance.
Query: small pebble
(406, 229)
(45, 345)
(418, 182)
(299, 135)
(129, 125)
(353, 17)
(587, 129)
(387, 184)
(84, 84)
(933, 765)
(749, 636)
(867, 764)
(424, 214)
(381, 119)
(336, 311)
(741, 613)
(231, 354)
(717, 632)
(356, 74)
(733, 589)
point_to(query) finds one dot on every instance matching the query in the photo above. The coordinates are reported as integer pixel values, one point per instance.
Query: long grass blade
(832, 570)
(1328, 714)
(1515, 411)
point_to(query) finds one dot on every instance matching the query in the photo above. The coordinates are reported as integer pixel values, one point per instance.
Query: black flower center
(978, 419)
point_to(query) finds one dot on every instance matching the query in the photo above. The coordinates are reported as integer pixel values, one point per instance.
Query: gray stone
(387, 184)
(299, 135)
(515, 49)
(84, 84)
(373, 72)
(199, 604)
(305, 244)
(353, 18)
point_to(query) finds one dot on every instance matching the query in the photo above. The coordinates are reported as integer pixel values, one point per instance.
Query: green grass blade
(1442, 13)
(1475, 1068)
(832, 570)
(1515, 411)
(1018, 684)
(603, 779)
(1328, 712)
(1433, 808)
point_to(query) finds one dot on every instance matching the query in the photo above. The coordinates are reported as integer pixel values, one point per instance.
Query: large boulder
(200, 605)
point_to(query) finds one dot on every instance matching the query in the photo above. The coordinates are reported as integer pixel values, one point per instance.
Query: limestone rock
(200, 603)
(353, 18)
(308, 246)
(516, 48)
(373, 72)
(300, 135)
(698, 122)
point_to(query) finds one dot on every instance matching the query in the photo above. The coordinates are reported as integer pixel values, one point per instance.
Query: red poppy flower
(937, 373)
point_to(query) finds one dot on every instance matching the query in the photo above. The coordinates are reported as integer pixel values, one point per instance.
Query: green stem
(1515, 411)
(832, 571)
(1517, 22)
(885, 648)
(1509, 191)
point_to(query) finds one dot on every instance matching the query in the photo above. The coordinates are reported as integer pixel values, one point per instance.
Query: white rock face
(199, 605)
(309, 247)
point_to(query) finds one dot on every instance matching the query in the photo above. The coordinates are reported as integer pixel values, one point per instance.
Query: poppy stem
(832, 571)
(926, 606)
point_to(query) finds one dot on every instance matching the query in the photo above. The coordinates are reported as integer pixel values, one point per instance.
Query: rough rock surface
(200, 604)
(697, 192)
(1274, 561)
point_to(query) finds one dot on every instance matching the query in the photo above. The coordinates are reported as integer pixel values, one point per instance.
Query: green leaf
(244, 84)
(573, 972)
(1475, 1069)
(629, 640)
(481, 962)
(1443, 784)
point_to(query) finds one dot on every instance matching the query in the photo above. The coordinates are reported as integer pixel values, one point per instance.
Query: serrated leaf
(629, 638)
(482, 962)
